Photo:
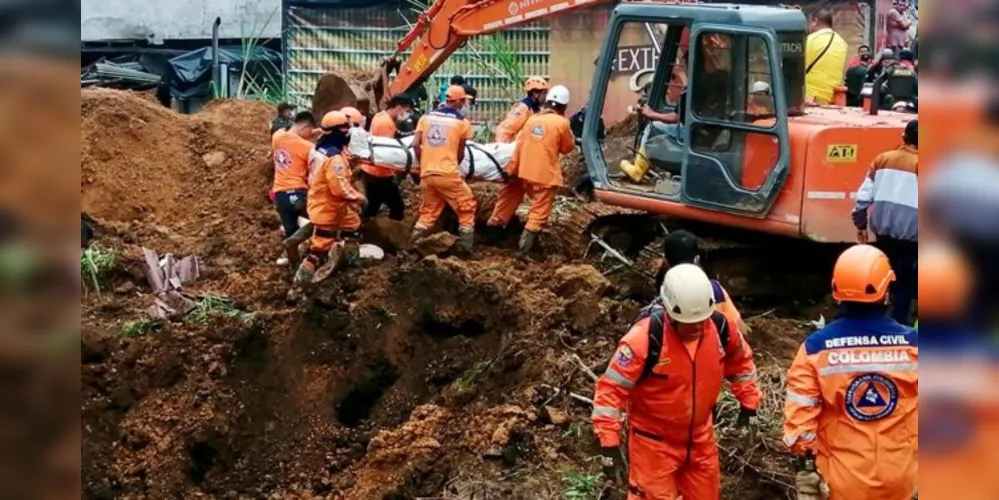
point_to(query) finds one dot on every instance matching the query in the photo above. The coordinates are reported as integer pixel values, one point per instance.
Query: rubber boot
(333, 260)
(417, 233)
(526, 244)
(303, 280)
(292, 242)
(466, 240)
(636, 171)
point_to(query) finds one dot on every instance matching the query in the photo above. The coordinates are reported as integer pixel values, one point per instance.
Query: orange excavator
(791, 171)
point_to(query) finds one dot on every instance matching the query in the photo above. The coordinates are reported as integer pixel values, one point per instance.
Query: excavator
(790, 172)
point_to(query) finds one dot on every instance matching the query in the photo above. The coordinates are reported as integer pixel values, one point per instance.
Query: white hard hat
(687, 294)
(760, 87)
(558, 94)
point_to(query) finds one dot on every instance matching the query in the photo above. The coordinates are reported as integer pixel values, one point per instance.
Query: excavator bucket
(362, 90)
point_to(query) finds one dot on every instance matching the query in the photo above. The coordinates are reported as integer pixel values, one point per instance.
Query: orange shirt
(442, 131)
(291, 161)
(331, 191)
(514, 122)
(382, 125)
(537, 157)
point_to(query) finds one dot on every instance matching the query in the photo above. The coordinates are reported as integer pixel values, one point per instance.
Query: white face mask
(404, 116)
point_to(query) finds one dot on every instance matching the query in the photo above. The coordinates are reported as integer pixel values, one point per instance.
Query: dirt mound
(334, 91)
(405, 378)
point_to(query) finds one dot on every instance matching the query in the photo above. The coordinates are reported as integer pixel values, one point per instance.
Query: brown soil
(334, 91)
(403, 378)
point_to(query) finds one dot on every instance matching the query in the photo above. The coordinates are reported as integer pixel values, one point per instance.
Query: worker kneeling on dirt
(852, 392)
(439, 146)
(536, 168)
(380, 184)
(291, 149)
(682, 247)
(536, 88)
(667, 374)
(334, 205)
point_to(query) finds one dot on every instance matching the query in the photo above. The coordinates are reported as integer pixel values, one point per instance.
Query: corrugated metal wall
(354, 41)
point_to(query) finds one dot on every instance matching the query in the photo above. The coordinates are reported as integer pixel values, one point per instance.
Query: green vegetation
(96, 265)
(468, 380)
(18, 264)
(581, 486)
(217, 306)
(137, 328)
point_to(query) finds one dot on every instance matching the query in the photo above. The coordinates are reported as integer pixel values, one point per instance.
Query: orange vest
(331, 192)
(291, 161)
(508, 129)
(546, 138)
(442, 133)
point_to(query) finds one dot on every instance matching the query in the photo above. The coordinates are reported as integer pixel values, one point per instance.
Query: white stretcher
(484, 162)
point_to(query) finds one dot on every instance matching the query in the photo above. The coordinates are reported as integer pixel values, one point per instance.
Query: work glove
(808, 483)
(613, 463)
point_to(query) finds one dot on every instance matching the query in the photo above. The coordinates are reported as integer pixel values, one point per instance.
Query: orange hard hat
(353, 115)
(455, 93)
(535, 83)
(334, 119)
(945, 281)
(862, 274)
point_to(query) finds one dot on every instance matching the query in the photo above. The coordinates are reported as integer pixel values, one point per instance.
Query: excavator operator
(851, 407)
(667, 374)
(535, 169)
(439, 146)
(536, 88)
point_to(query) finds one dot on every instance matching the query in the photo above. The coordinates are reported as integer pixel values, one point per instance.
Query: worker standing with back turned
(851, 408)
(825, 58)
(666, 375)
(888, 205)
(291, 150)
(439, 146)
(507, 130)
(536, 168)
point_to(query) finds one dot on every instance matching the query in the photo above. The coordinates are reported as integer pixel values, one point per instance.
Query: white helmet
(558, 94)
(687, 294)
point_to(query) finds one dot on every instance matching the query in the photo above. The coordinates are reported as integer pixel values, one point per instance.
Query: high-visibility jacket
(508, 129)
(852, 399)
(291, 161)
(537, 157)
(442, 132)
(331, 193)
(675, 401)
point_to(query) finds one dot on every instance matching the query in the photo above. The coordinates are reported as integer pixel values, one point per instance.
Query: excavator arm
(447, 25)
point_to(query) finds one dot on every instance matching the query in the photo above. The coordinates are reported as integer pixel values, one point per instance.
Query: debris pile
(404, 377)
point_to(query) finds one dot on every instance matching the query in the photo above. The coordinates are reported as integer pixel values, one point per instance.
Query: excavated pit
(404, 378)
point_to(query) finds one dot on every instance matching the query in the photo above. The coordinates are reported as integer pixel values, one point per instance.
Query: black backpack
(657, 328)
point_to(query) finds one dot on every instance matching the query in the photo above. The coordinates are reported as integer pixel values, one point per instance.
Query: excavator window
(735, 138)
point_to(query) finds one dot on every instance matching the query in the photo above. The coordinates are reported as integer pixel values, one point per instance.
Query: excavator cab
(726, 77)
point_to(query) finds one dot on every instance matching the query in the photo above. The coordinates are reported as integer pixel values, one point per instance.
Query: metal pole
(216, 81)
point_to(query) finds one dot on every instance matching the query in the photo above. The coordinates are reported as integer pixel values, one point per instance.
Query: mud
(334, 91)
(405, 378)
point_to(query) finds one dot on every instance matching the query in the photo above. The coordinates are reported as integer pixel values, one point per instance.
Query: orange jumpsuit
(333, 203)
(508, 129)
(671, 441)
(443, 132)
(535, 169)
(852, 401)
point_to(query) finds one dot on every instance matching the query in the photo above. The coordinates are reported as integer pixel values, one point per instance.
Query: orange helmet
(334, 119)
(353, 115)
(535, 83)
(862, 274)
(945, 281)
(455, 93)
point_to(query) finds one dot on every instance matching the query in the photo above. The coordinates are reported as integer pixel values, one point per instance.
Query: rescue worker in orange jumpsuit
(851, 405)
(683, 247)
(957, 412)
(334, 206)
(380, 183)
(439, 146)
(536, 88)
(667, 374)
(291, 150)
(535, 168)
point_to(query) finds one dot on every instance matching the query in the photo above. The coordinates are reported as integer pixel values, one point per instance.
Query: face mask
(404, 116)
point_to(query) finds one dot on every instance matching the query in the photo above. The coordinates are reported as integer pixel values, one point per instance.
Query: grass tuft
(96, 265)
(581, 486)
(217, 306)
